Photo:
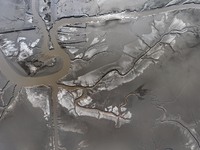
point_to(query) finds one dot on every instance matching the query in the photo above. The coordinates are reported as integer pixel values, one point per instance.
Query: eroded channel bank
(52, 79)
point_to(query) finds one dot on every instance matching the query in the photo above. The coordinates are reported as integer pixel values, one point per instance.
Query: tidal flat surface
(99, 75)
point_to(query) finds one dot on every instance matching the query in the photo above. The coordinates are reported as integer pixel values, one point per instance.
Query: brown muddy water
(51, 80)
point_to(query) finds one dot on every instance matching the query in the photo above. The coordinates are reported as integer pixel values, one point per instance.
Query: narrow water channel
(52, 79)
